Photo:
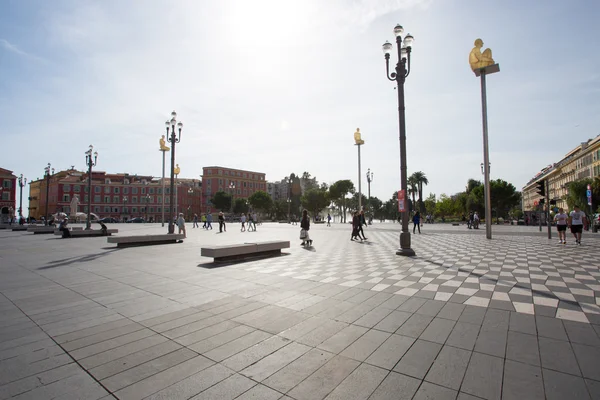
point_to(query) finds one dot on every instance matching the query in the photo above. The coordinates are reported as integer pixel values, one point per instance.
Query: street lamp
(147, 202)
(177, 171)
(91, 162)
(125, 204)
(173, 139)
(190, 194)
(358, 142)
(22, 182)
(289, 201)
(369, 180)
(232, 187)
(47, 171)
(402, 71)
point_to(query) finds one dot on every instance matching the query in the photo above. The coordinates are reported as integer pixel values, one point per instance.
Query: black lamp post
(173, 139)
(90, 160)
(22, 182)
(402, 70)
(147, 197)
(369, 180)
(232, 187)
(47, 171)
(124, 209)
(190, 195)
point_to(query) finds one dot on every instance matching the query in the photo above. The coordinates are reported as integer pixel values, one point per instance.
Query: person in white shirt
(561, 225)
(243, 219)
(576, 221)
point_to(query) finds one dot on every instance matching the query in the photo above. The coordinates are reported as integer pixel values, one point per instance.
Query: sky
(280, 86)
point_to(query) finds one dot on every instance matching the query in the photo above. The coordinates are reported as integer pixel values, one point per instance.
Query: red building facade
(216, 179)
(8, 194)
(120, 196)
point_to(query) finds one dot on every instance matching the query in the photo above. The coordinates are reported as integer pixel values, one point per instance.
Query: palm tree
(412, 188)
(421, 179)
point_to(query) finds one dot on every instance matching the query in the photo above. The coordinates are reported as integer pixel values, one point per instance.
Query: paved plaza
(517, 317)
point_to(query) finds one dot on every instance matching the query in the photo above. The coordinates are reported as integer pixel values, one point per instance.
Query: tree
(445, 207)
(260, 200)
(240, 206)
(376, 207)
(353, 201)
(279, 210)
(338, 192)
(504, 196)
(472, 184)
(430, 204)
(420, 178)
(309, 182)
(412, 188)
(315, 200)
(222, 201)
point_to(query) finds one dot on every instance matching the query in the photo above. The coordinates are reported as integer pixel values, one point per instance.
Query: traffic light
(541, 202)
(541, 188)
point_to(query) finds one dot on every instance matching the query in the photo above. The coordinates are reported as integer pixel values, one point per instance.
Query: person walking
(417, 222)
(195, 221)
(243, 221)
(576, 221)
(475, 220)
(328, 219)
(250, 223)
(181, 225)
(355, 225)
(63, 227)
(361, 222)
(305, 225)
(255, 220)
(209, 221)
(561, 220)
(222, 222)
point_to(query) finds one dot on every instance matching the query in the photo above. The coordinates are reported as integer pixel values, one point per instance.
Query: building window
(158, 209)
(151, 190)
(167, 190)
(220, 182)
(125, 209)
(107, 189)
(96, 209)
(245, 184)
(66, 188)
(116, 190)
(97, 189)
(134, 199)
(115, 199)
(107, 199)
(125, 190)
(5, 195)
(227, 173)
(134, 190)
(7, 184)
(106, 209)
(151, 209)
(143, 190)
(239, 191)
(134, 209)
(220, 172)
(86, 197)
(96, 199)
(66, 198)
(86, 189)
(159, 199)
(77, 188)
(116, 209)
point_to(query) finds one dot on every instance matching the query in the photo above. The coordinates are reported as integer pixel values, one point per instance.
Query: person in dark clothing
(417, 221)
(355, 226)
(222, 222)
(66, 233)
(362, 221)
(305, 225)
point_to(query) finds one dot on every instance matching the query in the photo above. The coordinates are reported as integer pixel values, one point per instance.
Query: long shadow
(73, 260)
(219, 264)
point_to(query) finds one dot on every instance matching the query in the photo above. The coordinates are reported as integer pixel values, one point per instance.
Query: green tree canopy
(240, 206)
(338, 192)
(315, 200)
(260, 200)
(222, 201)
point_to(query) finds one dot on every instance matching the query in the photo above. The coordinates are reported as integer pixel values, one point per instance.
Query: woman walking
(243, 220)
(305, 225)
(561, 225)
(417, 222)
(355, 226)
(181, 225)
(222, 222)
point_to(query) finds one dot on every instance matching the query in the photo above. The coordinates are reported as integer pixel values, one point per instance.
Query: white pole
(486, 161)
(359, 180)
(163, 190)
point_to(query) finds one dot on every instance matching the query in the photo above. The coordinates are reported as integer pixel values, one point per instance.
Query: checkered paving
(526, 274)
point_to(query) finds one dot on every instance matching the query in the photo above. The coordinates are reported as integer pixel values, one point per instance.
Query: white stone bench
(145, 240)
(41, 229)
(79, 232)
(19, 228)
(239, 251)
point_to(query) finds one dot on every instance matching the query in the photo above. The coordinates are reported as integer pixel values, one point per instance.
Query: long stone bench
(88, 233)
(239, 251)
(19, 228)
(41, 229)
(145, 240)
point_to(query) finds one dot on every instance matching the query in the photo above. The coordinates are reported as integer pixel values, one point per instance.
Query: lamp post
(177, 171)
(47, 171)
(359, 142)
(190, 194)
(369, 180)
(402, 71)
(125, 204)
(147, 202)
(232, 187)
(173, 139)
(22, 182)
(163, 149)
(289, 202)
(91, 162)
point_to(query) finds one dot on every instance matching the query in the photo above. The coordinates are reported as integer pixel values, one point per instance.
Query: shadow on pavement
(73, 260)
(219, 264)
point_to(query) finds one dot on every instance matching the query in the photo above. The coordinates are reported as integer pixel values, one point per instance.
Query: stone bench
(19, 228)
(145, 240)
(79, 232)
(41, 229)
(239, 251)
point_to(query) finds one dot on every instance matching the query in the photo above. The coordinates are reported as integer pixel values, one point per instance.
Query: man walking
(195, 225)
(576, 221)
(328, 219)
(209, 221)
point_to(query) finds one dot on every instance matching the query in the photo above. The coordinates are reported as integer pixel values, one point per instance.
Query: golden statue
(163, 145)
(357, 138)
(176, 170)
(480, 60)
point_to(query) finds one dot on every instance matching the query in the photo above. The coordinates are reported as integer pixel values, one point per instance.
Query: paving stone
(558, 356)
(484, 376)
(559, 386)
(194, 384)
(10, 372)
(415, 325)
(203, 334)
(32, 382)
(429, 391)
(582, 333)
(551, 328)
(473, 315)
(326, 330)
(465, 396)
(523, 348)
(418, 359)
(438, 330)
(359, 384)
(295, 372)
(192, 327)
(260, 392)
(492, 342)
(235, 346)
(393, 321)
(272, 363)
(449, 367)
(593, 388)
(110, 344)
(354, 313)
(451, 311)
(396, 387)
(588, 358)
(391, 351)
(394, 301)
(251, 355)
(227, 389)
(373, 317)
(122, 351)
(344, 338)
(325, 379)
(431, 308)
(463, 335)
(522, 381)
(522, 323)
(364, 346)
(220, 339)
(92, 331)
(304, 327)
(496, 319)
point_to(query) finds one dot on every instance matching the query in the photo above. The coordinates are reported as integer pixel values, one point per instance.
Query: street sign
(401, 201)
(588, 193)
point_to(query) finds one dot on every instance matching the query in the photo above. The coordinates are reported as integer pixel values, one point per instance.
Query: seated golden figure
(357, 138)
(480, 60)
(163, 145)
(176, 170)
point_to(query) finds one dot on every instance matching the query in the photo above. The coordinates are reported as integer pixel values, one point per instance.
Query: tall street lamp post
(163, 149)
(147, 202)
(47, 171)
(402, 70)
(483, 64)
(91, 162)
(232, 188)
(22, 182)
(177, 171)
(359, 142)
(369, 180)
(190, 195)
(173, 139)
(125, 205)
